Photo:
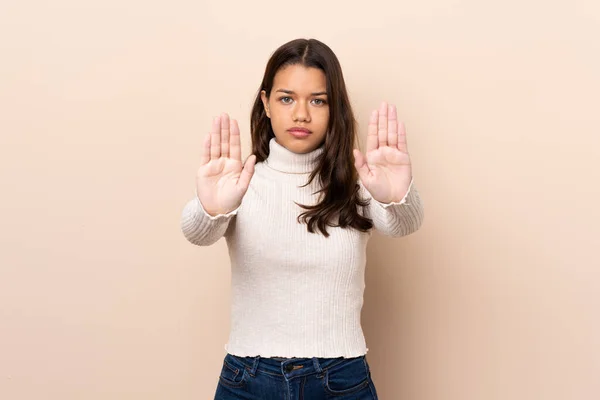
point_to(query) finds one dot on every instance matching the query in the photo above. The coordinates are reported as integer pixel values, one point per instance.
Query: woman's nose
(301, 112)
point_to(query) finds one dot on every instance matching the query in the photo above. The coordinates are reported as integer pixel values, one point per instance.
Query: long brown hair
(335, 167)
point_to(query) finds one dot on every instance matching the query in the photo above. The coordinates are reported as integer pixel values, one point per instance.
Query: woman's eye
(286, 100)
(319, 102)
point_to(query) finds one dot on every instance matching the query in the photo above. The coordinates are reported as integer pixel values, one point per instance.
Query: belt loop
(317, 365)
(255, 365)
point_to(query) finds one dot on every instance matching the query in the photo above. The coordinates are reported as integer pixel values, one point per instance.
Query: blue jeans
(258, 378)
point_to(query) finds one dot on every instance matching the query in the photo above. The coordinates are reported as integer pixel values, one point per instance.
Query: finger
(382, 127)
(205, 156)
(247, 172)
(361, 165)
(224, 135)
(392, 124)
(235, 148)
(402, 144)
(372, 139)
(215, 139)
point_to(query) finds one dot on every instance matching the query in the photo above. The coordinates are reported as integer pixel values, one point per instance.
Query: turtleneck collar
(284, 160)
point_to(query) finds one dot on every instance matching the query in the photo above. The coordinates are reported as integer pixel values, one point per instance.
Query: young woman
(297, 215)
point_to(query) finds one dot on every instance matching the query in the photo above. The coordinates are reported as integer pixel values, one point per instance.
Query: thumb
(247, 172)
(361, 165)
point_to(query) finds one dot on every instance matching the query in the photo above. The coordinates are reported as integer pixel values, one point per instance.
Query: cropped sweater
(295, 293)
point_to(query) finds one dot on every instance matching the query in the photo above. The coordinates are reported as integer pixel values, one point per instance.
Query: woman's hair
(335, 166)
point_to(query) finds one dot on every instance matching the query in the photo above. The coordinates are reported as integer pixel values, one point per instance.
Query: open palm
(222, 180)
(386, 170)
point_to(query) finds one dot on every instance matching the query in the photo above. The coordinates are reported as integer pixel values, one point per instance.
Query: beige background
(103, 106)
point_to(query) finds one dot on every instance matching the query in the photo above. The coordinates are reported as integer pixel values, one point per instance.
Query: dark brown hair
(335, 166)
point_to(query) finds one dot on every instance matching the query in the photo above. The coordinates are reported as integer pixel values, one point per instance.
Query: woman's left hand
(386, 171)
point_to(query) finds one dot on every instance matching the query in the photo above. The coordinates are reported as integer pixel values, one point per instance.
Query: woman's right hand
(221, 182)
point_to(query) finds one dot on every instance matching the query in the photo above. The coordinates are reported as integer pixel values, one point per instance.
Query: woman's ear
(263, 97)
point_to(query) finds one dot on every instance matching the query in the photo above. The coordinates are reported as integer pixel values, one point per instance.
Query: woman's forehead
(300, 80)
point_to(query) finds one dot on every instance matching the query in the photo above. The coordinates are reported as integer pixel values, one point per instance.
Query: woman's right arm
(201, 228)
(221, 183)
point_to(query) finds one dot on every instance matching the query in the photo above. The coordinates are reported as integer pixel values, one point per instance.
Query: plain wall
(103, 108)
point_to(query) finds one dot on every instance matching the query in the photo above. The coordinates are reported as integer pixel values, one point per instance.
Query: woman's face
(298, 108)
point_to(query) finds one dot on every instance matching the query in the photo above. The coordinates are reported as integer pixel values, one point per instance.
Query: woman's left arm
(386, 176)
(396, 218)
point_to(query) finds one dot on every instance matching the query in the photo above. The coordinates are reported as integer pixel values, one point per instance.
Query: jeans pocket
(232, 374)
(347, 377)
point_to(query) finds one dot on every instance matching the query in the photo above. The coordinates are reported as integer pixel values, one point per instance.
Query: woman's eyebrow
(292, 92)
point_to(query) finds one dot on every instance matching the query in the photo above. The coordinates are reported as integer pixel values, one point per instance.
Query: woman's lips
(299, 132)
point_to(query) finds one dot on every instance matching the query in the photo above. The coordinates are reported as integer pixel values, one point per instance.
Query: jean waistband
(289, 367)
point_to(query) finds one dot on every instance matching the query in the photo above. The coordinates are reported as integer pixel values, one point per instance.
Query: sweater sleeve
(397, 218)
(199, 227)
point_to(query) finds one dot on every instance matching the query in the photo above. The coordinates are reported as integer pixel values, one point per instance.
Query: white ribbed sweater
(295, 293)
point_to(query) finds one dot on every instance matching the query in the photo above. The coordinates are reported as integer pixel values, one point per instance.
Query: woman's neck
(284, 160)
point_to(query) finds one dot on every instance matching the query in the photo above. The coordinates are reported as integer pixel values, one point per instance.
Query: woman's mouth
(299, 132)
